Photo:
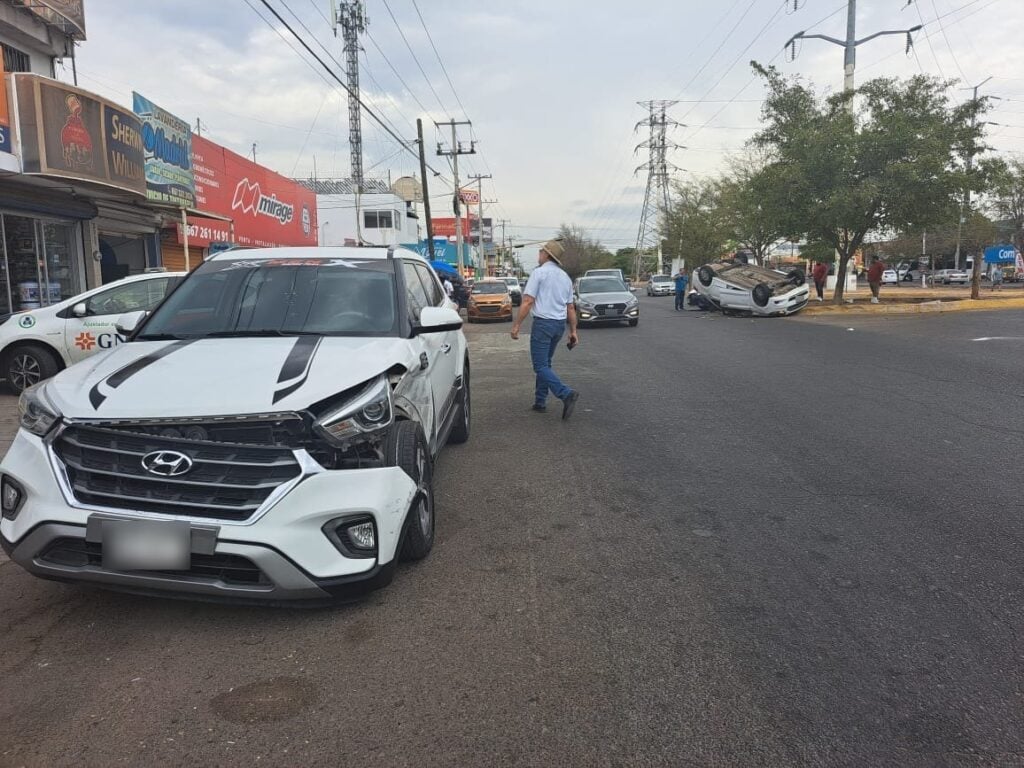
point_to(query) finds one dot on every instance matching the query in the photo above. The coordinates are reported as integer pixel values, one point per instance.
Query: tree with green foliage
(695, 224)
(749, 196)
(1008, 198)
(896, 164)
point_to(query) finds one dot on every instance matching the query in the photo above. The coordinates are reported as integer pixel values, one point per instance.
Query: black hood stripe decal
(119, 377)
(297, 365)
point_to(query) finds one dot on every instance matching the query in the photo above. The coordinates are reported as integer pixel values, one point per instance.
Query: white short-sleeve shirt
(551, 290)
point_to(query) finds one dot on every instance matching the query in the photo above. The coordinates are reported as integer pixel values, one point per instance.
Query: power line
(372, 114)
(414, 57)
(405, 85)
(439, 61)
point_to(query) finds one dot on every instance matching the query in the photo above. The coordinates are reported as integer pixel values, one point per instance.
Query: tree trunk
(837, 297)
(976, 277)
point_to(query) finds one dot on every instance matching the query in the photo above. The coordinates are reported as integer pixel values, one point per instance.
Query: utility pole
(657, 167)
(850, 45)
(254, 151)
(199, 127)
(353, 23)
(479, 177)
(504, 250)
(965, 202)
(453, 152)
(426, 194)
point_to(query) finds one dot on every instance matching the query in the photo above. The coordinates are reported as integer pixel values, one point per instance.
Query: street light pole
(965, 202)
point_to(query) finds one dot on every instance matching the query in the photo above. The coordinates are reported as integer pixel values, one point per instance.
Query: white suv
(267, 434)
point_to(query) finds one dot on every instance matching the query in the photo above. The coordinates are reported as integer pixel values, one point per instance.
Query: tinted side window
(140, 296)
(415, 294)
(435, 293)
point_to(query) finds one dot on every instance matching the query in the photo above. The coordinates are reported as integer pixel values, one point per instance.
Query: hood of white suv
(221, 377)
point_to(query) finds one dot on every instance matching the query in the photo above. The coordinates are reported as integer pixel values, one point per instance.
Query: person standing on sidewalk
(875, 277)
(997, 278)
(820, 275)
(682, 280)
(548, 293)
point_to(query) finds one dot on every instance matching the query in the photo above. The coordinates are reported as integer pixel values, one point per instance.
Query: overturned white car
(734, 286)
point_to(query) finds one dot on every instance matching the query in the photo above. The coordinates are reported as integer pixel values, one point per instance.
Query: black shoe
(539, 408)
(568, 404)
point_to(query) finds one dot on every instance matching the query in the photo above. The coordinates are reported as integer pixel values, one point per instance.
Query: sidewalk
(901, 300)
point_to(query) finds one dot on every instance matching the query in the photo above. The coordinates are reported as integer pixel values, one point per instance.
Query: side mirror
(79, 310)
(128, 323)
(437, 320)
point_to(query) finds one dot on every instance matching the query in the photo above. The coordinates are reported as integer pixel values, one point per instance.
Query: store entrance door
(40, 264)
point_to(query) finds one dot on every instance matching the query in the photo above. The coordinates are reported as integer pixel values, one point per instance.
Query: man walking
(548, 293)
(875, 277)
(997, 278)
(820, 275)
(681, 282)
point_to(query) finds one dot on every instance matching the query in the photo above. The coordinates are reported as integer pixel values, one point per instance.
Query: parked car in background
(490, 299)
(616, 273)
(604, 299)
(660, 285)
(36, 344)
(732, 286)
(514, 289)
(890, 277)
(951, 276)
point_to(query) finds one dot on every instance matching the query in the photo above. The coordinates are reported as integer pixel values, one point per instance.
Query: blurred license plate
(146, 545)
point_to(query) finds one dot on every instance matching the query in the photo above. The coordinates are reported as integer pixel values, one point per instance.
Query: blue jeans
(544, 338)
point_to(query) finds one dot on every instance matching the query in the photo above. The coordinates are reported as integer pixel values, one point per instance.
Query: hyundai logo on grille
(166, 463)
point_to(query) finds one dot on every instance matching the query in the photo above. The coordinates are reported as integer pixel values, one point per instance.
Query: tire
(25, 366)
(761, 294)
(464, 413)
(407, 448)
(633, 323)
(797, 277)
(705, 274)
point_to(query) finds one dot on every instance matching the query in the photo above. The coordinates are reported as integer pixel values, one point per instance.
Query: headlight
(369, 411)
(37, 415)
(633, 301)
(585, 304)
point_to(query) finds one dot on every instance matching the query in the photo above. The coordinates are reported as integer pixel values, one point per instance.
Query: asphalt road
(758, 542)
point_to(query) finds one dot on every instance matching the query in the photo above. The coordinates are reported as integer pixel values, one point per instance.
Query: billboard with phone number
(266, 209)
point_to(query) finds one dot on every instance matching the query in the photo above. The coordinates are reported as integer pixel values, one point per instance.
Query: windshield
(280, 297)
(601, 285)
(490, 288)
(511, 281)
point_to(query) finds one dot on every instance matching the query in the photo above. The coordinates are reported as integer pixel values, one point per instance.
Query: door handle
(446, 348)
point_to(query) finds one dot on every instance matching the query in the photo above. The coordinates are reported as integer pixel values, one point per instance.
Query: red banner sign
(446, 227)
(266, 209)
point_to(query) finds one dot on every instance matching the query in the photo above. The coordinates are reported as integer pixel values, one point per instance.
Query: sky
(551, 86)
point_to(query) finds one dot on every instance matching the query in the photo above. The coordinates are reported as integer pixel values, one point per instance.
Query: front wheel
(407, 448)
(29, 365)
(633, 323)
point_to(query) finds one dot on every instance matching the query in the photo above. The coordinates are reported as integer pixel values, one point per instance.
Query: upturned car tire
(25, 366)
(407, 448)
(464, 414)
(797, 277)
(705, 275)
(761, 294)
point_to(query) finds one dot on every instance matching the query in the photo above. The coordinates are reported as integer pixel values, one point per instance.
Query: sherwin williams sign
(265, 208)
(71, 133)
(167, 148)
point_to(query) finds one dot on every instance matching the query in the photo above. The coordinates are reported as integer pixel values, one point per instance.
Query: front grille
(612, 309)
(489, 310)
(227, 481)
(230, 569)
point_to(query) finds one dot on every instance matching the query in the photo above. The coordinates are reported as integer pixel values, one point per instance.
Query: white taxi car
(36, 344)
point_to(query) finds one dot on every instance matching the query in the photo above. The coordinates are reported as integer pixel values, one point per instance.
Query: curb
(959, 305)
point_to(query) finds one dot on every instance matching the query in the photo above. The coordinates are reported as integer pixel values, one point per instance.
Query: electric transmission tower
(353, 22)
(657, 166)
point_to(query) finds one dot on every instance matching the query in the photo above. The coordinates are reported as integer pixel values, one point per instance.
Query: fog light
(362, 536)
(11, 498)
(354, 536)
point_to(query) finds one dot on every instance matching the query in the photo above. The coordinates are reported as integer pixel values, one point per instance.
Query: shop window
(15, 60)
(378, 219)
